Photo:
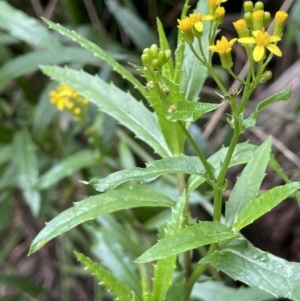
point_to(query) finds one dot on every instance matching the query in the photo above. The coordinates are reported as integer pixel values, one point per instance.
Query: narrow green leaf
(168, 68)
(164, 268)
(135, 28)
(98, 52)
(187, 239)
(195, 74)
(114, 256)
(31, 61)
(249, 181)
(67, 167)
(218, 291)
(190, 111)
(116, 103)
(258, 269)
(25, 28)
(116, 286)
(187, 165)
(282, 95)
(27, 169)
(263, 204)
(95, 206)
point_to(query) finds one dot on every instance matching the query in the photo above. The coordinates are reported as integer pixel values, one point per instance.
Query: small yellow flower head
(241, 28)
(258, 19)
(191, 26)
(213, 5)
(280, 20)
(263, 41)
(224, 47)
(64, 98)
(219, 14)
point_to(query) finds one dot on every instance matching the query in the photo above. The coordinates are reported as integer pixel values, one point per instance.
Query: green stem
(199, 153)
(236, 77)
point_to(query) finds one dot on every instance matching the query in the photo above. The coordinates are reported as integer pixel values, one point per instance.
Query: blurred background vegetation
(44, 152)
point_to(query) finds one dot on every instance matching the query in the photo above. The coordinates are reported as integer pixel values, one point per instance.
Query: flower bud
(146, 59)
(267, 19)
(266, 76)
(241, 28)
(280, 20)
(248, 19)
(258, 19)
(154, 50)
(167, 54)
(161, 57)
(248, 6)
(226, 60)
(219, 14)
(259, 6)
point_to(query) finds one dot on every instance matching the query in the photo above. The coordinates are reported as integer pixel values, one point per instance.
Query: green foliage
(45, 151)
(256, 268)
(120, 289)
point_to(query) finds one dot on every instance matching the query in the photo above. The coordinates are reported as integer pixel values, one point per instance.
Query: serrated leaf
(98, 52)
(67, 167)
(194, 74)
(264, 203)
(249, 182)
(25, 158)
(135, 28)
(95, 206)
(190, 111)
(187, 165)
(164, 268)
(114, 256)
(116, 286)
(218, 291)
(187, 239)
(258, 269)
(31, 61)
(168, 68)
(25, 28)
(116, 103)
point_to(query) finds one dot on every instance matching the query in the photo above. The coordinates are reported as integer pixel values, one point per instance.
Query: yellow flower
(65, 98)
(280, 19)
(223, 46)
(281, 16)
(241, 28)
(262, 40)
(185, 24)
(190, 23)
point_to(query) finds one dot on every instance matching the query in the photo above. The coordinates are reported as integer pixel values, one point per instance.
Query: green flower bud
(248, 6)
(266, 76)
(154, 50)
(168, 54)
(248, 19)
(146, 59)
(161, 57)
(258, 19)
(258, 6)
(267, 19)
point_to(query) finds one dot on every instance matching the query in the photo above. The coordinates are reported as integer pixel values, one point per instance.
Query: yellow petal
(256, 32)
(274, 49)
(208, 17)
(213, 48)
(259, 53)
(198, 26)
(274, 39)
(232, 41)
(248, 40)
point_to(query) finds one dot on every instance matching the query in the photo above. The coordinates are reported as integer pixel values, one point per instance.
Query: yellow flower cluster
(64, 98)
(251, 30)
